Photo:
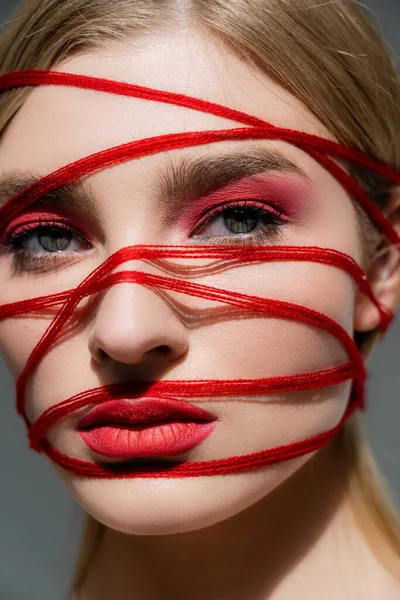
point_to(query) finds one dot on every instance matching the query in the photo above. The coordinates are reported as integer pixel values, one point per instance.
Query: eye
(48, 238)
(242, 222)
(43, 245)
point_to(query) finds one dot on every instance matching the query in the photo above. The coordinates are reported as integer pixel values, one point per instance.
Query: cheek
(265, 344)
(17, 339)
(20, 334)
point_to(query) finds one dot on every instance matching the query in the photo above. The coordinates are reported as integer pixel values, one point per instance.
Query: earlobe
(384, 276)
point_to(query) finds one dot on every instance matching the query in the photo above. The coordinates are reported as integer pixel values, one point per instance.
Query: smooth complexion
(279, 532)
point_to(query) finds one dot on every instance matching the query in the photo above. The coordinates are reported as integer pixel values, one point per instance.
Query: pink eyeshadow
(33, 217)
(291, 194)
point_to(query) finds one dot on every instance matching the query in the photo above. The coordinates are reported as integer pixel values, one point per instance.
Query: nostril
(102, 356)
(163, 349)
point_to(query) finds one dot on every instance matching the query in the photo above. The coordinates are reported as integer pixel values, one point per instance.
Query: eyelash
(268, 232)
(25, 260)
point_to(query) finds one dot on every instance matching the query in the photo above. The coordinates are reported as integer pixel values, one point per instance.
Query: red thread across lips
(103, 277)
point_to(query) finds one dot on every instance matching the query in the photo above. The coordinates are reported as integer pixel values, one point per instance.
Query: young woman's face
(133, 333)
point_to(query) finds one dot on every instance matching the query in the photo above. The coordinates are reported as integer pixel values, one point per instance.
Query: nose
(134, 325)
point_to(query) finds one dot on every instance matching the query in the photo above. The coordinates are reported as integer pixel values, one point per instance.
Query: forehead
(67, 123)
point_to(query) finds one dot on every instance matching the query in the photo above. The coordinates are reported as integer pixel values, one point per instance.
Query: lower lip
(166, 439)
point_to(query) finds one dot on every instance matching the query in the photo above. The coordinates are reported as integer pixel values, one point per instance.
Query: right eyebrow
(179, 183)
(76, 194)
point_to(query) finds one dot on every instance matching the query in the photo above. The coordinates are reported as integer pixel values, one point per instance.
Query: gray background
(40, 523)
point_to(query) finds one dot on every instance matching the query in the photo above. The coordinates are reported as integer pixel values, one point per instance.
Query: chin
(161, 506)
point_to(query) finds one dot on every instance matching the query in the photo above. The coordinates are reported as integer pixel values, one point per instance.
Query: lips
(146, 427)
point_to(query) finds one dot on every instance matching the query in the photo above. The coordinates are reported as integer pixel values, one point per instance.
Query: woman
(314, 526)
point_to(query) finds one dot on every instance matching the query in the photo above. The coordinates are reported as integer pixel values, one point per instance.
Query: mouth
(145, 427)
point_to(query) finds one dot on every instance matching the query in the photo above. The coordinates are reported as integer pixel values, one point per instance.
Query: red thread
(103, 277)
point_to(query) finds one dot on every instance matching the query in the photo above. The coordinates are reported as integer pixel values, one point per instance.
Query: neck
(285, 546)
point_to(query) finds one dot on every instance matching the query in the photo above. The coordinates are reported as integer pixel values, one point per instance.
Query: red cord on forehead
(102, 278)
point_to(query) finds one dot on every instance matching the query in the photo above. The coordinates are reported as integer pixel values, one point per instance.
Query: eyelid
(41, 262)
(52, 225)
(290, 194)
(39, 217)
(263, 207)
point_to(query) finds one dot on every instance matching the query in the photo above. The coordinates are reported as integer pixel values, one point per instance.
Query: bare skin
(278, 533)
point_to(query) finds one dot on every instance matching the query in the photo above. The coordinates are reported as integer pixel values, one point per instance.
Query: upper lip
(143, 410)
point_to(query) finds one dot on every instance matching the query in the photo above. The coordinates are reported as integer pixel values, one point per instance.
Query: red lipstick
(146, 427)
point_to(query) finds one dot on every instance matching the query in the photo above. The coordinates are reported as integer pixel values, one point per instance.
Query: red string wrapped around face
(105, 276)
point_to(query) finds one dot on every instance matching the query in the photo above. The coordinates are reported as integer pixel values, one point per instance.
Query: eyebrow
(179, 182)
(76, 194)
(191, 178)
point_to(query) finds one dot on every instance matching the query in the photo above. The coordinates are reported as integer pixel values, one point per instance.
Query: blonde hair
(330, 57)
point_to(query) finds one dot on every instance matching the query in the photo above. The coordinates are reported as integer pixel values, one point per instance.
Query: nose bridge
(133, 320)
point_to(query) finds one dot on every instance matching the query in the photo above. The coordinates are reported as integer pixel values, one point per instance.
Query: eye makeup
(40, 217)
(47, 227)
(290, 195)
(267, 200)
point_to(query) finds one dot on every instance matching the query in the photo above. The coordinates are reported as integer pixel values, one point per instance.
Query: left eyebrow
(179, 182)
(203, 175)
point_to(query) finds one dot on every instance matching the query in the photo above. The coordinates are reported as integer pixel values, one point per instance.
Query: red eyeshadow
(290, 194)
(34, 216)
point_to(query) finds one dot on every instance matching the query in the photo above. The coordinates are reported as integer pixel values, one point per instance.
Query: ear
(383, 275)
